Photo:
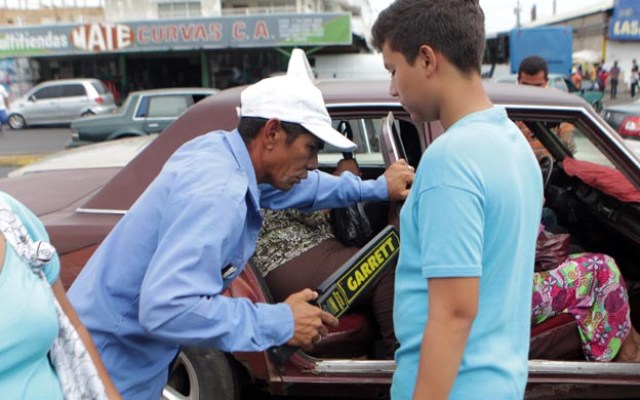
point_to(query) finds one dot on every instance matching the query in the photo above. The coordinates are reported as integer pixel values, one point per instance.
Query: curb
(19, 160)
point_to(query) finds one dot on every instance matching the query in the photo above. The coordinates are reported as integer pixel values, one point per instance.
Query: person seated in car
(534, 71)
(589, 287)
(298, 250)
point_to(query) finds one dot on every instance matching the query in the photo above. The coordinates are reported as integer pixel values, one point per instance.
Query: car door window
(167, 106)
(45, 93)
(199, 96)
(72, 90)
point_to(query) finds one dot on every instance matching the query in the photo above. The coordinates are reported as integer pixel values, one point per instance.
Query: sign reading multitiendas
(205, 33)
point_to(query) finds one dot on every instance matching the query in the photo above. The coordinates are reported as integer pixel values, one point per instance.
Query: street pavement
(21, 147)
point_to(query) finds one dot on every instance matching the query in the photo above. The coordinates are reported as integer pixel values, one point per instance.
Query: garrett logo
(339, 292)
(102, 37)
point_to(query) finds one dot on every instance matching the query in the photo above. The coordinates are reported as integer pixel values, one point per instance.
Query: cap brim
(331, 136)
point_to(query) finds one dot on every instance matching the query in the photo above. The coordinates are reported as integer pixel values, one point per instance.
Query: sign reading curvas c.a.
(338, 292)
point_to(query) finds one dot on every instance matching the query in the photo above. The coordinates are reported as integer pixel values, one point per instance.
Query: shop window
(179, 9)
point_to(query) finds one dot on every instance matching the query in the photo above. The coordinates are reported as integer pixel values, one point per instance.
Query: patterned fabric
(588, 286)
(75, 369)
(288, 233)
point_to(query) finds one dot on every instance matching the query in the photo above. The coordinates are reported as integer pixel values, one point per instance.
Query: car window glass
(365, 135)
(99, 86)
(199, 96)
(143, 108)
(167, 106)
(49, 92)
(72, 90)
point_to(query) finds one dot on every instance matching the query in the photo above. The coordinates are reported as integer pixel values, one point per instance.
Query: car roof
(62, 81)
(219, 112)
(176, 90)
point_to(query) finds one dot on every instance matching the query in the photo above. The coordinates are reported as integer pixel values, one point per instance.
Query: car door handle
(153, 125)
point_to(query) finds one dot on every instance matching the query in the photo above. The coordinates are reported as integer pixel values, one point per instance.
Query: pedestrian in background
(4, 107)
(156, 282)
(614, 76)
(635, 76)
(462, 303)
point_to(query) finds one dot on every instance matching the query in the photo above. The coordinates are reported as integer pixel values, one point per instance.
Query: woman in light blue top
(29, 322)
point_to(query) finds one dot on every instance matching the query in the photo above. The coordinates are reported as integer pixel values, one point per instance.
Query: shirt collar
(241, 154)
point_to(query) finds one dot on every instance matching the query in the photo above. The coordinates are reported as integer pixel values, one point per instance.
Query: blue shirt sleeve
(36, 230)
(451, 224)
(181, 294)
(321, 191)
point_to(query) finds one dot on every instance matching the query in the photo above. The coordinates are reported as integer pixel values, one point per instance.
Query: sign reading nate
(273, 30)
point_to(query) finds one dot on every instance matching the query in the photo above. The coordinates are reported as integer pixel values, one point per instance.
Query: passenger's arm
(453, 305)
(61, 296)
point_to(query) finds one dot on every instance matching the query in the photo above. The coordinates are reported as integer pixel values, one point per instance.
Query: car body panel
(79, 207)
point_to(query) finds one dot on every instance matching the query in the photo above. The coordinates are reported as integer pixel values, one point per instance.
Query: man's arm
(453, 305)
(321, 190)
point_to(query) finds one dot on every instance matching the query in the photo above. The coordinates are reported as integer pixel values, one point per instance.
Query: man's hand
(399, 177)
(309, 321)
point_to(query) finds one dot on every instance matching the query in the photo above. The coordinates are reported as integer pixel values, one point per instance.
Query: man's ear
(427, 59)
(269, 132)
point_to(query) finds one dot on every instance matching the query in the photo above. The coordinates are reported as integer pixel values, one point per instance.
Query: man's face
(289, 163)
(538, 79)
(409, 85)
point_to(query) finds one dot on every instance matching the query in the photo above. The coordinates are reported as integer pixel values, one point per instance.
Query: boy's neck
(463, 95)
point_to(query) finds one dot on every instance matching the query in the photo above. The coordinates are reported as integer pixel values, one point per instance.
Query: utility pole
(554, 7)
(517, 11)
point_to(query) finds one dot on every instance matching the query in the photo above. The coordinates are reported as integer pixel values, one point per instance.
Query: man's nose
(392, 88)
(313, 163)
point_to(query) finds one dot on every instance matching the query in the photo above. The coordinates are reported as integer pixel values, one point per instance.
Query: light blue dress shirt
(155, 283)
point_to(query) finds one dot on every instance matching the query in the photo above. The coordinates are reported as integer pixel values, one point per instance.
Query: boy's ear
(427, 59)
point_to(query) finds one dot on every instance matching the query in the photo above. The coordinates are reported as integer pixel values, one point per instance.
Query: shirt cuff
(452, 271)
(275, 322)
(375, 190)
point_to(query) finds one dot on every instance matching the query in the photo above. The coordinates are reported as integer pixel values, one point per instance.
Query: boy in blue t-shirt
(468, 228)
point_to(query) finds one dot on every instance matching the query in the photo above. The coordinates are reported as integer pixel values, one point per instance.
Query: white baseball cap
(293, 98)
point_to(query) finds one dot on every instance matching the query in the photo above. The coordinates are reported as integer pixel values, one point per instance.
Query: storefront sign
(187, 34)
(625, 22)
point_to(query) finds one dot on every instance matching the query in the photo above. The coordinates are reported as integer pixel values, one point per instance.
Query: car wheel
(16, 121)
(202, 374)
(87, 114)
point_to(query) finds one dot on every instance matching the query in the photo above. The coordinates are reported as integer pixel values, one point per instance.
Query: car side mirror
(32, 98)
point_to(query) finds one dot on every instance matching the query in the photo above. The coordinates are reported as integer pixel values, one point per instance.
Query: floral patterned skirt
(588, 286)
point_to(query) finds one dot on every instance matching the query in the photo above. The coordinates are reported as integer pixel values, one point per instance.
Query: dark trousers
(312, 267)
(634, 86)
(614, 88)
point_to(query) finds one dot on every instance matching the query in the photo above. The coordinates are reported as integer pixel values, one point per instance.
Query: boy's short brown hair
(454, 28)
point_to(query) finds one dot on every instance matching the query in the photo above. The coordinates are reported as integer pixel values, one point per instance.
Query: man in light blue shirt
(462, 303)
(156, 281)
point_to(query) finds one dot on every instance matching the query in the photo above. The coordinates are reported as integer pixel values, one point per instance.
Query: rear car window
(167, 106)
(72, 90)
(99, 86)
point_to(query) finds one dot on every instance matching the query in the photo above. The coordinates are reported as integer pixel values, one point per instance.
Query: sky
(500, 15)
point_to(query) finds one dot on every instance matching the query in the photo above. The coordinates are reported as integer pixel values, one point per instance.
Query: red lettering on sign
(238, 30)
(201, 33)
(215, 32)
(143, 34)
(157, 34)
(172, 33)
(261, 30)
(186, 32)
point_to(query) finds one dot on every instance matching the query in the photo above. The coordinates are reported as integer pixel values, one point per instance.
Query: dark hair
(250, 126)
(454, 28)
(532, 65)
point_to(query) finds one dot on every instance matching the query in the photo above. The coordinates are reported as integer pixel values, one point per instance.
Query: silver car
(60, 101)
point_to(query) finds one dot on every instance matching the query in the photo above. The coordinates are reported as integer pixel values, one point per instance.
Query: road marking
(19, 160)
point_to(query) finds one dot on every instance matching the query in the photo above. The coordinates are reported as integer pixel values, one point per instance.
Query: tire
(202, 374)
(16, 121)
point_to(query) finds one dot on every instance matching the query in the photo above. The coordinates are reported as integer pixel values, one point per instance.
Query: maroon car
(592, 191)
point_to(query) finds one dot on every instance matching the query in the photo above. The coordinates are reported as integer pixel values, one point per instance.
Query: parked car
(60, 102)
(80, 206)
(624, 118)
(587, 91)
(143, 113)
